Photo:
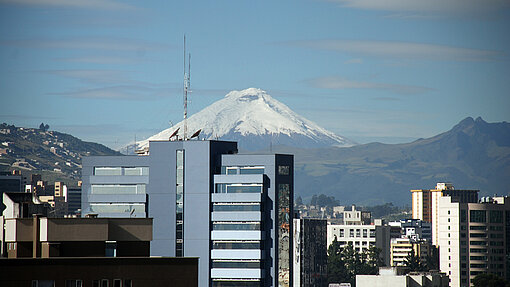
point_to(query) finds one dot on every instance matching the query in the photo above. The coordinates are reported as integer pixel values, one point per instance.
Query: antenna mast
(186, 90)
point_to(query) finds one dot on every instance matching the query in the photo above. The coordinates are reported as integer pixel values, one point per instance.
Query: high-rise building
(473, 238)
(232, 211)
(425, 203)
(310, 252)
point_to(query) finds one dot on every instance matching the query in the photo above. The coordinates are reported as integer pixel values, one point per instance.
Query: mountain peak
(256, 120)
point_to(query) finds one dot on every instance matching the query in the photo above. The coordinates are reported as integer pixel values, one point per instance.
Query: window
(238, 188)
(238, 206)
(73, 283)
(236, 226)
(283, 170)
(95, 283)
(252, 170)
(342, 232)
(236, 245)
(117, 283)
(104, 283)
(240, 264)
(128, 283)
(496, 216)
(179, 202)
(463, 215)
(117, 189)
(43, 283)
(365, 233)
(477, 216)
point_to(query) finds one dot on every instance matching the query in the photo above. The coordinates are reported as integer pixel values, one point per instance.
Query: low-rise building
(362, 237)
(77, 237)
(396, 277)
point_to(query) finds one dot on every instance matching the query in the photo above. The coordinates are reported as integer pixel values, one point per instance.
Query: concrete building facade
(425, 203)
(473, 238)
(183, 185)
(363, 237)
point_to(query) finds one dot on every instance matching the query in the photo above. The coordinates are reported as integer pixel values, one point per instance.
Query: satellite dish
(174, 134)
(196, 134)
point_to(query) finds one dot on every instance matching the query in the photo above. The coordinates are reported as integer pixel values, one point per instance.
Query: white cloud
(402, 50)
(79, 4)
(428, 6)
(109, 44)
(338, 83)
(120, 92)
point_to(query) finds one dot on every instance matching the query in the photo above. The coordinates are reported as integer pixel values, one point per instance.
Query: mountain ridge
(256, 120)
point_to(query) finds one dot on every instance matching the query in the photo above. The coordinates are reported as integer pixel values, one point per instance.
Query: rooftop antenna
(186, 90)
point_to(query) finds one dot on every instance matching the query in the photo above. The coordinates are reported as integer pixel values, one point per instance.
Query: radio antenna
(186, 90)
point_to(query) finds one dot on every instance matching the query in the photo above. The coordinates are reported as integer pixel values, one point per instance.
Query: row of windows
(238, 188)
(242, 170)
(237, 245)
(117, 189)
(237, 206)
(353, 233)
(233, 283)
(495, 216)
(127, 208)
(79, 283)
(237, 226)
(118, 170)
(241, 264)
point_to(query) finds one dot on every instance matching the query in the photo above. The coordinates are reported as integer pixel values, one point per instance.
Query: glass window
(237, 207)
(107, 170)
(126, 208)
(236, 226)
(496, 216)
(477, 216)
(118, 189)
(136, 170)
(236, 245)
(104, 283)
(463, 215)
(238, 188)
(240, 264)
(128, 283)
(283, 170)
(117, 283)
(251, 170)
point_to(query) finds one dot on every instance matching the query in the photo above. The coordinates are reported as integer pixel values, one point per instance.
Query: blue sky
(370, 70)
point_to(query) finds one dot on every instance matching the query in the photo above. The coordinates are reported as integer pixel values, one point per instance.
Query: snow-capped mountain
(255, 120)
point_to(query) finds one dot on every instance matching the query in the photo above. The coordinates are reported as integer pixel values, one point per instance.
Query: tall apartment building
(473, 238)
(425, 203)
(232, 211)
(310, 252)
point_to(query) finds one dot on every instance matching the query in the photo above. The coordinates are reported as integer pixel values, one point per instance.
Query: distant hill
(37, 150)
(474, 154)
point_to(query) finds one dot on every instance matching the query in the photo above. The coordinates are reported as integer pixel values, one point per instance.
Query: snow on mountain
(255, 120)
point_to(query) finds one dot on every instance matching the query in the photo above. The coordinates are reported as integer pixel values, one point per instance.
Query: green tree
(345, 263)
(414, 263)
(337, 273)
(489, 280)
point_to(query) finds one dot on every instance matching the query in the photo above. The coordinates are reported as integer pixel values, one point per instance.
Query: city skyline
(106, 71)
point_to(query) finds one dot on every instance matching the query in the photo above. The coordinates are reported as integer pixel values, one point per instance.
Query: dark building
(9, 182)
(74, 201)
(311, 258)
(99, 272)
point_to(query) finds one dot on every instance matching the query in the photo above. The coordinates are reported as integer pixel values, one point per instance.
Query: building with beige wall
(400, 248)
(425, 203)
(77, 237)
